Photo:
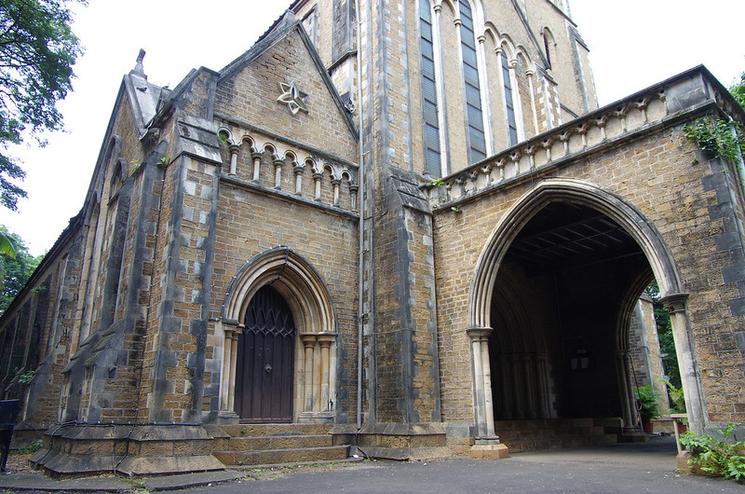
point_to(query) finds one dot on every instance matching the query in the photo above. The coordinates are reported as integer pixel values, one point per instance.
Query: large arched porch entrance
(550, 308)
(279, 343)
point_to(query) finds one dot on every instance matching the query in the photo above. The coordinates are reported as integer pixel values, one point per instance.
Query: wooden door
(265, 361)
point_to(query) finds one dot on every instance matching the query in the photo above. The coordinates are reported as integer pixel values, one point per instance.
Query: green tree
(665, 336)
(738, 91)
(37, 52)
(16, 269)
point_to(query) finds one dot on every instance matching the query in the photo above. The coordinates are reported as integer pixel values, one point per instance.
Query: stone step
(256, 430)
(257, 443)
(277, 456)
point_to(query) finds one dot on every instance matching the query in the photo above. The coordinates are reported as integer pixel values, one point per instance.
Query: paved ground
(618, 469)
(615, 469)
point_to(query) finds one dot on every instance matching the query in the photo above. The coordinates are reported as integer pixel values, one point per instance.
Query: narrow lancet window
(509, 102)
(474, 112)
(431, 117)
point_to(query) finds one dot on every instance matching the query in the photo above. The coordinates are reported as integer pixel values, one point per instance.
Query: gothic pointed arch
(301, 287)
(292, 276)
(578, 192)
(636, 226)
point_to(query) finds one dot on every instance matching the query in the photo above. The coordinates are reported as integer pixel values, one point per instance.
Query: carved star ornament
(295, 99)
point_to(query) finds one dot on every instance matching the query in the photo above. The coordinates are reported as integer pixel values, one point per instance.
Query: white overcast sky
(634, 43)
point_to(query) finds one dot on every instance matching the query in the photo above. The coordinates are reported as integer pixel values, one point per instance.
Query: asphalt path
(615, 469)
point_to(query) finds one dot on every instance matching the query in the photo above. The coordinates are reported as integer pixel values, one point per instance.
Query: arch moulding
(576, 192)
(315, 348)
(636, 225)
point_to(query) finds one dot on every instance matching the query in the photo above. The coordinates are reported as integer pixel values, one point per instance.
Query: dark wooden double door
(265, 360)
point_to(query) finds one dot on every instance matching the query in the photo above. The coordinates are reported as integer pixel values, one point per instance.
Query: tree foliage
(665, 337)
(16, 269)
(738, 91)
(37, 52)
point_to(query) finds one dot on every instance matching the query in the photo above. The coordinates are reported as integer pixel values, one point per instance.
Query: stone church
(401, 226)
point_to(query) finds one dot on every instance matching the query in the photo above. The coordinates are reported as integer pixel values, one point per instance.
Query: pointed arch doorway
(279, 361)
(265, 360)
(633, 252)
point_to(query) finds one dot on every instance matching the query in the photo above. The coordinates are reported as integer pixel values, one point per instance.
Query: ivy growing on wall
(717, 138)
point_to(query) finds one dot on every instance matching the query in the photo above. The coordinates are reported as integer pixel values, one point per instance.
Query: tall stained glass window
(432, 150)
(509, 102)
(474, 112)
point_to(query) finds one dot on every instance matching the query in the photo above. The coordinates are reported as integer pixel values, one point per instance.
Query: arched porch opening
(283, 283)
(551, 306)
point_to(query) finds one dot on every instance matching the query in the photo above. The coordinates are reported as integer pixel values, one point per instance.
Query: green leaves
(16, 269)
(716, 138)
(738, 91)
(37, 52)
(647, 401)
(678, 397)
(723, 456)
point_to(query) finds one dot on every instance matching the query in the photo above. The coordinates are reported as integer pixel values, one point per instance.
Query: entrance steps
(538, 434)
(268, 444)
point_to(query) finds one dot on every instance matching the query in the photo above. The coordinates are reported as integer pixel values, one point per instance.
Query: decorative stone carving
(295, 99)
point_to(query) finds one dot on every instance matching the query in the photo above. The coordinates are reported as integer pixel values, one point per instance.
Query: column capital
(317, 175)
(512, 63)
(437, 8)
(298, 169)
(234, 148)
(308, 340)
(257, 155)
(326, 340)
(457, 22)
(481, 39)
(279, 162)
(675, 302)
(477, 333)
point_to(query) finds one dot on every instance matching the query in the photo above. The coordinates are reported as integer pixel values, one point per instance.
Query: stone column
(530, 386)
(485, 100)
(353, 196)
(317, 179)
(257, 166)
(511, 64)
(337, 184)
(233, 345)
(543, 387)
(530, 74)
(309, 343)
(520, 399)
(325, 343)
(298, 179)
(227, 349)
(627, 400)
(694, 398)
(234, 159)
(486, 444)
(278, 164)
(630, 385)
(482, 382)
(317, 378)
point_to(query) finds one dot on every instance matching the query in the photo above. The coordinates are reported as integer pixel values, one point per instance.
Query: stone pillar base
(316, 418)
(489, 451)
(87, 449)
(228, 418)
(402, 441)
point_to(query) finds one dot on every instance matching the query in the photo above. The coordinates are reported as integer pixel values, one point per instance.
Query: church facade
(401, 226)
